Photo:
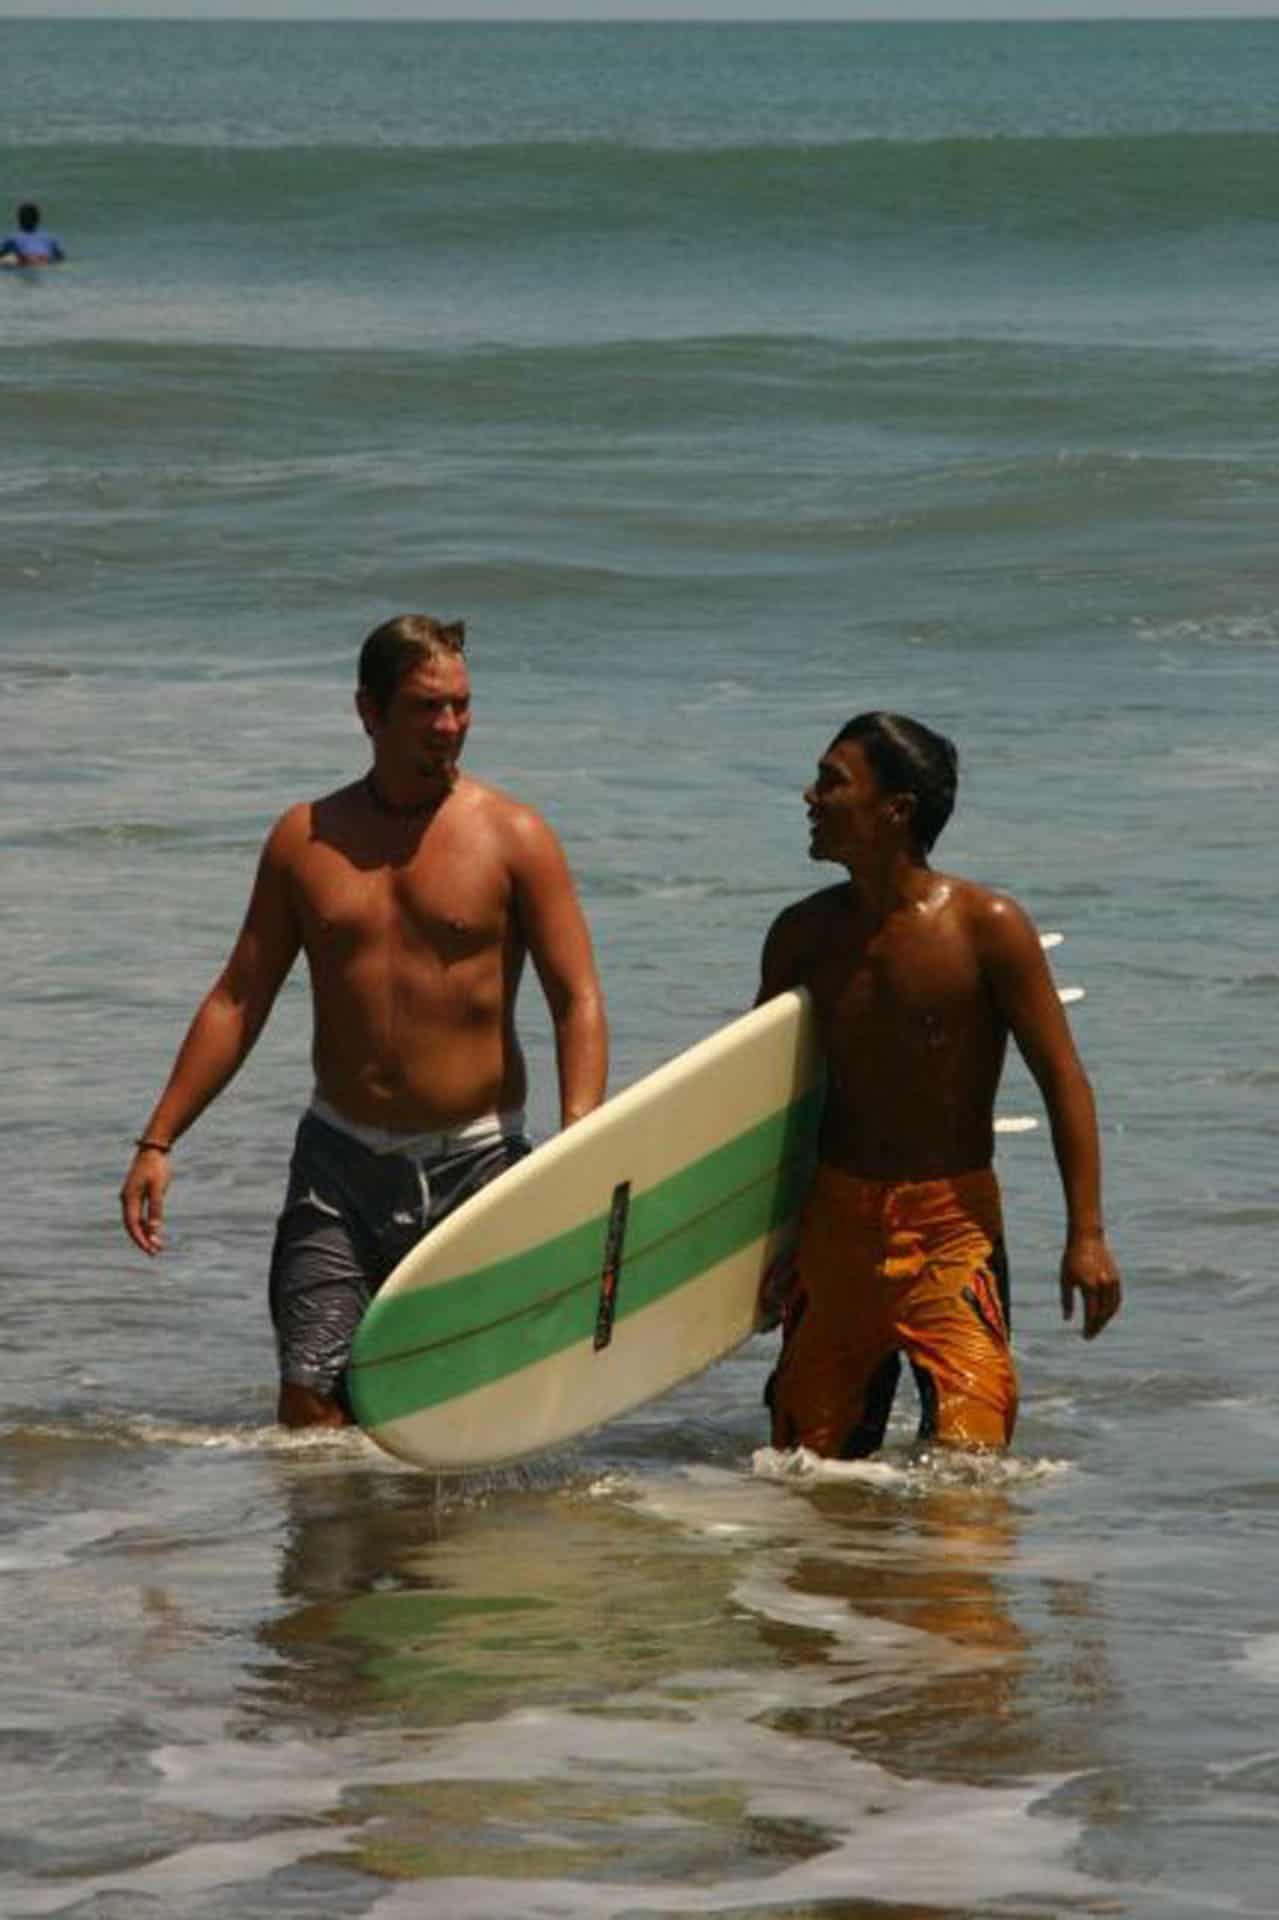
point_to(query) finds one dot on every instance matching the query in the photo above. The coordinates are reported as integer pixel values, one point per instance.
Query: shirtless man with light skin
(918, 978)
(416, 894)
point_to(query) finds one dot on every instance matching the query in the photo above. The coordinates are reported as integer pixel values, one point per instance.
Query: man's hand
(776, 1290)
(142, 1198)
(1087, 1269)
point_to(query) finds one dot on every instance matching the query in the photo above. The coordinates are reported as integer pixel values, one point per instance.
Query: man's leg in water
(832, 1390)
(326, 1265)
(350, 1216)
(954, 1331)
(304, 1407)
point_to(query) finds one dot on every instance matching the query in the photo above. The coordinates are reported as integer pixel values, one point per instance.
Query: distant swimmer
(918, 978)
(31, 245)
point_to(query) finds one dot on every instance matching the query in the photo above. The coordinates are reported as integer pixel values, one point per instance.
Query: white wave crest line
(145, 1430)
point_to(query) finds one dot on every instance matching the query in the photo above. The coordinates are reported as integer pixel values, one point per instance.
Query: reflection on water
(675, 1691)
(603, 1693)
(933, 1568)
(443, 1606)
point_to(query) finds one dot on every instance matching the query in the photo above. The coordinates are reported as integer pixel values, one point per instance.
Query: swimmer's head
(907, 757)
(28, 216)
(397, 646)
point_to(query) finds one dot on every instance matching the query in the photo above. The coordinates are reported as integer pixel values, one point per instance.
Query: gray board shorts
(352, 1211)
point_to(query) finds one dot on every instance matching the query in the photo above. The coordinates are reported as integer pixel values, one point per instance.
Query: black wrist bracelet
(152, 1146)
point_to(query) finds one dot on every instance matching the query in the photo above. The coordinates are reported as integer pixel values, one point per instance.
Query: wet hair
(907, 757)
(28, 216)
(393, 650)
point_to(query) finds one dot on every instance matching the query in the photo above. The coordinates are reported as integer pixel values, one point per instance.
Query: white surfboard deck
(620, 1258)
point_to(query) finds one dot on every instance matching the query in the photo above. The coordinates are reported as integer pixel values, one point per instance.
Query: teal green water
(727, 382)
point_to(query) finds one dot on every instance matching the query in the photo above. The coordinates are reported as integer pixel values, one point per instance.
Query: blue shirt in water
(37, 248)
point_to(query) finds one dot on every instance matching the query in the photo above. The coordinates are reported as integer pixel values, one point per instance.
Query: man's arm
(782, 965)
(775, 967)
(788, 947)
(220, 1037)
(1024, 991)
(559, 946)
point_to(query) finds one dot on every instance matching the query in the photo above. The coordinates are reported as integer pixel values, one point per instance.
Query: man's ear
(903, 807)
(366, 707)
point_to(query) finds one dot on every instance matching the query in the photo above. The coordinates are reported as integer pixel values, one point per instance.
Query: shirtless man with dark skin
(917, 979)
(416, 894)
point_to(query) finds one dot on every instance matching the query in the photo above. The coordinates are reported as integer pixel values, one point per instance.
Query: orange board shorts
(886, 1268)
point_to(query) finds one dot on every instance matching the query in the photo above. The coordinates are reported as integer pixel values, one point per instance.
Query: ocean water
(727, 381)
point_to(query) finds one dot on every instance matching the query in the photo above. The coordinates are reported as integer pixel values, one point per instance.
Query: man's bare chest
(439, 898)
(902, 985)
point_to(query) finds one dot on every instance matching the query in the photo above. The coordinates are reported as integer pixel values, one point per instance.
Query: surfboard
(621, 1257)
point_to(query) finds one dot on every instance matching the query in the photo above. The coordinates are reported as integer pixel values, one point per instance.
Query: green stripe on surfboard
(433, 1344)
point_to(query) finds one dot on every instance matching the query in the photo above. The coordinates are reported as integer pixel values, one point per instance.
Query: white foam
(346, 1442)
(941, 1468)
(713, 1502)
(607, 1486)
(798, 1464)
(149, 1431)
(1259, 1659)
(243, 1780)
(878, 1835)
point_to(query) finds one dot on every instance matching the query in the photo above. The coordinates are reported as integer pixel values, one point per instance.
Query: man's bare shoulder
(813, 912)
(299, 825)
(519, 826)
(797, 936)
(998, 924)
(486, 798)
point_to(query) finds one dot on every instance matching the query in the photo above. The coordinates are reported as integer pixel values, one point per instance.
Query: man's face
(424, 728)
(848, 811)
